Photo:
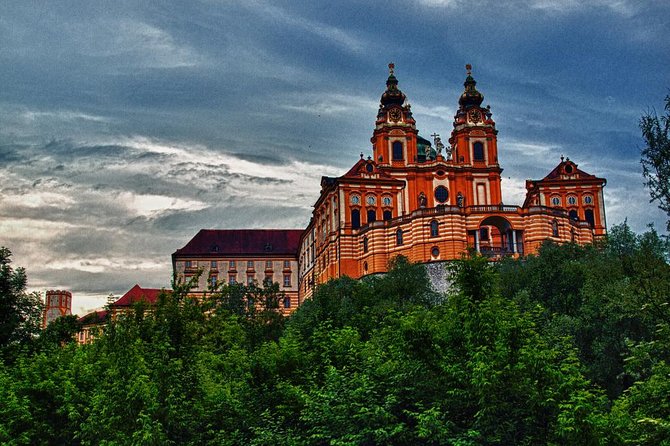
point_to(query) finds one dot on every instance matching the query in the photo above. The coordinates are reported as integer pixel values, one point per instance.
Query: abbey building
(426, 200)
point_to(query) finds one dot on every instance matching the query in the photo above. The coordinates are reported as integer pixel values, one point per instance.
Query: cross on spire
(391, 68)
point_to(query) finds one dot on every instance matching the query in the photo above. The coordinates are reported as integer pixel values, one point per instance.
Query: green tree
(20, 312)
(656, 156)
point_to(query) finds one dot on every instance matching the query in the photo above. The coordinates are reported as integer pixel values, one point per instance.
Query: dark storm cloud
(127, 126)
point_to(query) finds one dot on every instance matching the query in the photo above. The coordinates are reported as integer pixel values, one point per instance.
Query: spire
(470, 96)
(392, 95)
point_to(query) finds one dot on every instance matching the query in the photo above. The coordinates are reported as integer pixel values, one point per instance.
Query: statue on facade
(438, 143)
(460, 200)
(423, 201)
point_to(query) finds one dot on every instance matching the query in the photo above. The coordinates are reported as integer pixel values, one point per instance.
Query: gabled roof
(242, 242)
(94, 317)
(568, 170)
(362, 169)
(138, 294)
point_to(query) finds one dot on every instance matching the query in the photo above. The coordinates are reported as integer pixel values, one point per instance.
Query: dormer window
(369, 167)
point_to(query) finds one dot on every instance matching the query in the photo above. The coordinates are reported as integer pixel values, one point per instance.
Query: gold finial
(391, 68)
(468, 68)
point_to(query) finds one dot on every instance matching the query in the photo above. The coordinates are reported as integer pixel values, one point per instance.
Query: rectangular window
(188, 264)
(250, 280)
(231, 264)
(287, 264)
(231, 280)
(212, 281)
(483, 234)
(268, 264)
(213, 264)
(287, 302)
(250, 264)
(287, 280)
(268, 278)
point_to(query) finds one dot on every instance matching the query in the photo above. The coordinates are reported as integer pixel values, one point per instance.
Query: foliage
(656, 156)
(20, 312)
(516, 353)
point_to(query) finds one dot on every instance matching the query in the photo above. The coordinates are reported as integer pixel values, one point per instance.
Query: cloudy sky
(127, 126)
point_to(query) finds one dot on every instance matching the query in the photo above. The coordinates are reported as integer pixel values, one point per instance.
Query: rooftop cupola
(392, 95)
(470, 97)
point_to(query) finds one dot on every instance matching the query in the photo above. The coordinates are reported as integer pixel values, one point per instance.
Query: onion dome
(470, 97)
(392, 95)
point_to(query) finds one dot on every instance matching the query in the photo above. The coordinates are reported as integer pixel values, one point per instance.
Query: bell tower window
(397, 150)
(478, 151)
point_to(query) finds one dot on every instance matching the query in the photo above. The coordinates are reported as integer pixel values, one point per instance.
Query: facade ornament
(460, 200)
(423, 202)
(438, 143)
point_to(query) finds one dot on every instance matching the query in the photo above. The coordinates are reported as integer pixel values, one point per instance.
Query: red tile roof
(138, 294)
(242, 242)
(94, 317)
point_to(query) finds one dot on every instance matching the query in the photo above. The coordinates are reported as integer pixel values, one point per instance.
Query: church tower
(394, 140)
(474, 148)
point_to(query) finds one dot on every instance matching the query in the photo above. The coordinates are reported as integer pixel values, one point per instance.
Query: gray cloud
(126, 127)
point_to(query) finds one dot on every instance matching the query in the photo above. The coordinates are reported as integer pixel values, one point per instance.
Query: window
(213, 264)
(441, 194)
(287, 280)
(268, 264)
(212, 281)
(188, 264)
(250, 280)
(268, 279)
(250, 264)
(287, 264)
(231, 264)
(588, 199)
(572, 200)
(371, 200)
(386, 201)
(483, 234)
(434, 229)
(573, 215)
(554, 228)
(556, 201)
(435, 252)
(355, 199)
(287, 302)
(397, 150)
(231, 280)
(355, 218)
(478, 151)
(398, 237)
(388, 215)
(588, 216)
(369, 167)
(372, 215)
(365, 244)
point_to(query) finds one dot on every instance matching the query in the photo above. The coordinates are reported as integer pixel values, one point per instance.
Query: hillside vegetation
(569, 347)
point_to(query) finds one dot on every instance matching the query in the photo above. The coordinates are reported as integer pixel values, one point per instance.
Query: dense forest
(571, 346)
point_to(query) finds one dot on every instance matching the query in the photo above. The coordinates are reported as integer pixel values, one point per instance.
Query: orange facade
(431, 202)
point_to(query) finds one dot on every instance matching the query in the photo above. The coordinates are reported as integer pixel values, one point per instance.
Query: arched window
(573, 215)
(355, 218)
(434, 229)
(588, 216)
(478, 151)
(372, 215)
(397, 150)
(554, 228)
(365, 244)
(398, 237)
(287, 302)
(388, 215)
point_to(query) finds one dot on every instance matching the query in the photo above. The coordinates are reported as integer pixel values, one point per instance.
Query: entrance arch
(495, 237)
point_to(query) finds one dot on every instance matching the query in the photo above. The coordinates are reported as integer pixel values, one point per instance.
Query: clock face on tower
(395, 114)
(475, 116)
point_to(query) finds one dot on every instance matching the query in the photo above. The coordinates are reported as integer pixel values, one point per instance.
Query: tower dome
(392, 95)
(470, 97)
